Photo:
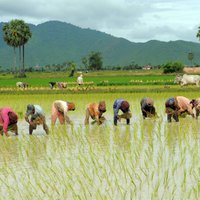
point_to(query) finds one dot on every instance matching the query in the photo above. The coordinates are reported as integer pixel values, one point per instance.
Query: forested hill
(57, 42)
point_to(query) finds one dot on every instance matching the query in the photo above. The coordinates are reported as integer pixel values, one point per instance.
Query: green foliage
(95, 61)
(191, 57)
(198, 33)
(16, 33)
(84, 61)
(72, 67)
(173, 67)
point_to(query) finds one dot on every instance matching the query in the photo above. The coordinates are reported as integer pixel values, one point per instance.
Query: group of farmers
(174, 107)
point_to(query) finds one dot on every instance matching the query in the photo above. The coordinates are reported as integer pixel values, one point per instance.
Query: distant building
(37, 67)
(147, 67)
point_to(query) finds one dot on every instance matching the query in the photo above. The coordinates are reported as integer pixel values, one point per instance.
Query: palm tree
(198, 33)
(191, 57)
(17, 34)
(25, 36)
(11, 38)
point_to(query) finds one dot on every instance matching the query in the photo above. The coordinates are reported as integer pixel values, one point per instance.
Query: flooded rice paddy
(148, 159)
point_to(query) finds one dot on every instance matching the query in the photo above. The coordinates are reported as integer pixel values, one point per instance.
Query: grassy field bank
(103, 82)
(41, 79)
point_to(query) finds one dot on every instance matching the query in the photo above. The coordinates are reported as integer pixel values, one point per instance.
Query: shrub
(172, 67)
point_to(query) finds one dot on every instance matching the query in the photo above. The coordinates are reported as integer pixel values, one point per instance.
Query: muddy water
(147, 152)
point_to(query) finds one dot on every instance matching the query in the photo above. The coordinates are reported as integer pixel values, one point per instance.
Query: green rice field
(148, 159)
(41, 79)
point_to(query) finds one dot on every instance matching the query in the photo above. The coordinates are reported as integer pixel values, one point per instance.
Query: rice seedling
(147, 159)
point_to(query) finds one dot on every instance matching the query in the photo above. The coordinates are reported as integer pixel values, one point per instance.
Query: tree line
(16, 34)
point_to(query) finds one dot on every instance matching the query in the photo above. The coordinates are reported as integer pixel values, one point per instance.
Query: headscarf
(30, 108)
(102, 106)
(12, 117)
(125, 106)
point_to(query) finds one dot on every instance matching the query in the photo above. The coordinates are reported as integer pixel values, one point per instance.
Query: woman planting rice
(59, 110)
(8, 121)
(95, 111)
(147, 108)
(176, 106)
(37, 118)
(123, 105)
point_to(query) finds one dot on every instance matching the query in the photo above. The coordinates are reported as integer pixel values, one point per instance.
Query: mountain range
(56, 42)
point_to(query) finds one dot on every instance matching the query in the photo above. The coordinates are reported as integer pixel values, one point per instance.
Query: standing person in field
(80, 79)
(37, 117)
(176, 106)
(8, 121)
(95, 111)
(123, 105)
(147, 107)
(59, 110)
(196, 104)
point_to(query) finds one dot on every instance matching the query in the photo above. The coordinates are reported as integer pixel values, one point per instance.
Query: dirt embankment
(192, 70)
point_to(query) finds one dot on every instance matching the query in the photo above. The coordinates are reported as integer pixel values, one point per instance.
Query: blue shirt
(117, 105)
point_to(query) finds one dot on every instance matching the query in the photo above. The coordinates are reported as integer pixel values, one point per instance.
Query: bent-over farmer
(8, 121)
(147, 107)
(123, 105)
(59, 110)
(37, 117)
(176, 106)
(196, 104)
(95, 111)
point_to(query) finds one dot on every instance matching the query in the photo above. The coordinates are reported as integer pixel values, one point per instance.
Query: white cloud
(138, 21)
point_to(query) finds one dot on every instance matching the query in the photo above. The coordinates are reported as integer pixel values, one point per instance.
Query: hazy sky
(135, 20)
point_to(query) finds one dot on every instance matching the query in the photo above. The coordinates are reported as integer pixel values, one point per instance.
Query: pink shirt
(4, 119)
